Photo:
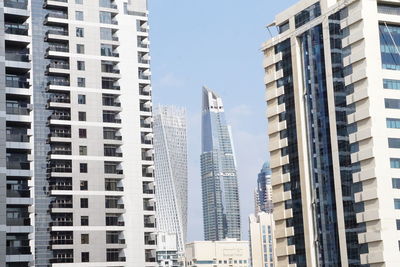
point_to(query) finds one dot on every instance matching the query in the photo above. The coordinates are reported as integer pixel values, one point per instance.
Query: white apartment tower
(261, 227)
(171, 175)
(76, 176)
(332, 88)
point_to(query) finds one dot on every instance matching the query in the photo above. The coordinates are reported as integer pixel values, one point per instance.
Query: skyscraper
(170, 147)
(221, 211)
(332, 85)
(263, 193)
(75, 98)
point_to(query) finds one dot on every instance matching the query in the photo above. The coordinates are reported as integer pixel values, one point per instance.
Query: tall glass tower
(171, 175)
(221, 211)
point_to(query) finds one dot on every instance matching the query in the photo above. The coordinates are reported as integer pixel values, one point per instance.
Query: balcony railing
(57, 15)
(18, 165)
(18, 29)
(63, 117)
(58, 48)
(59, 82)
(64, 134)
(61, 169)
(16, 4)
(61, 152)
(24, 138)
(58, 65)
(61, 187)
(17, 57)
(16, 82)
(19, 193)
(23, 221)
(67, 241)
(61, 205)
(62, 223)
(18, 250)
(57, 32)
(17, 110)
(63, 259)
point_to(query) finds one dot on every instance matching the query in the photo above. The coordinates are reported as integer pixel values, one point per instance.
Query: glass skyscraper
(221, 211)
(170, 147)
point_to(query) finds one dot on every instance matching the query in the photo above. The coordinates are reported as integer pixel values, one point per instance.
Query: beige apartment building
(224, 253)
(332, 78)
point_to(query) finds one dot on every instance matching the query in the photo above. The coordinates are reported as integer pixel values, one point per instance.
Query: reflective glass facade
(221, 211)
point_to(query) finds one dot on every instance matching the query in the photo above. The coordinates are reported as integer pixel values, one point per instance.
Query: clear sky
(215, 43)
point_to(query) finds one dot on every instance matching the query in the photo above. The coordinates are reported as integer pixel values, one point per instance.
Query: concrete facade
(261, 227)
(222, 253)
(80, 181)
(331, 80)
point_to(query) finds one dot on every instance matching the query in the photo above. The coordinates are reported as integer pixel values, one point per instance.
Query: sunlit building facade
(77, 181)
(332, 85)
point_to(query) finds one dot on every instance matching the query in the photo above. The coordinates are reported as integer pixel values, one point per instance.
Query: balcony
(57, 65)
(58, 82)
(17, 110)
(22, 192)
(60, 116)
(18, 250)
(60, 98)
(62, 223)
(24, 220)
(111, 134)
(57, 15)
(62, 240)
(60, 151)
(17, 137)
(58, 48)
(18, 165)
(112, 169)
(17, 82)
(60, 168)
(63, 259)
(60, 133)
(16, 4)
(111, 117)
(17, 29)
(20, 57)
(62, 205)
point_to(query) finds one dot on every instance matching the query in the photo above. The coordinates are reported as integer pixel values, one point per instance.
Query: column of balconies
(111, 106)
(18, 133)
(146, 126)
(59, 103)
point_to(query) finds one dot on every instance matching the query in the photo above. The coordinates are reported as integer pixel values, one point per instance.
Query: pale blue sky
(215, 43)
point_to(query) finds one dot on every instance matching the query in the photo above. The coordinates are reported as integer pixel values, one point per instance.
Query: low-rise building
(228, 252)
(167, 250)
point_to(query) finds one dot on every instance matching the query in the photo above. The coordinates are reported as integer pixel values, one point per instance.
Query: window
(83, 167)
(307, 15)
(354, 147)
(396, 183)
(85, 256)
(84, 238)
(84, 203)
(397, 203)
(290, 240)
(391, 84)
(82, 116)
(81, 82)
(393, 123)
(392, 103)
(84, 220)
(84, 185)
(79, 2)
(106, 34)
(79, 32)
(105, 17)
(82, 99)
(106, 50)
(82, 150)
(82, 133)
(288, 204)
(80, 49)
(283, 27)
(395, 163)
(80, 65)
(394, 142)
(78, 15)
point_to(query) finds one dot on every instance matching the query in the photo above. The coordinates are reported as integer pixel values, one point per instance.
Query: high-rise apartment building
(332, 80)
(263, 193)
(221, 211)
(75, 98)
(170, 146)
(261, 227)
(167, 251)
